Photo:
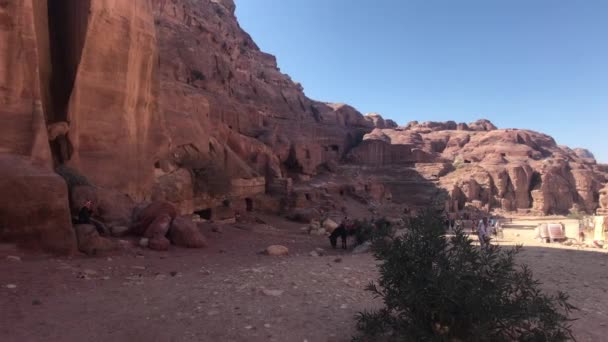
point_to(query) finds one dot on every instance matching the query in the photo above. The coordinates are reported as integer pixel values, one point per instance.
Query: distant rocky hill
(481, 165)
(172, 100)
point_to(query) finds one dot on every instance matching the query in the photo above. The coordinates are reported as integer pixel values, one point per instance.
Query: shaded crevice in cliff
(536, 183)
(292, 164)
(67, 28)
(68, 20)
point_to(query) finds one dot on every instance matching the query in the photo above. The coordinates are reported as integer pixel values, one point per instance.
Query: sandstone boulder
(185, 233)
(34, 209)
(89, 241)
(149, 214)
(159, 227)
(482, 125)
(277, 250)
(110, 206)
(159, 243)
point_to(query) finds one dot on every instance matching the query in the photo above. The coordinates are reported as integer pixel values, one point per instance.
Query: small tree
(372, 231)
(437, 288)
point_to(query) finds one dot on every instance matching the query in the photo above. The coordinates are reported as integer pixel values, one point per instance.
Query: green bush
(436, 288)
(372, 230)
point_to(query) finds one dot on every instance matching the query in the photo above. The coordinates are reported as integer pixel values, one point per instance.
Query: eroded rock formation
(478, 164)
(172, 101)
(33, 199)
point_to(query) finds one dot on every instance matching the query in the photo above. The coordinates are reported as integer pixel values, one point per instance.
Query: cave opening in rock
(204, 213)
(248, 204)
(352, 141)
(291, 163)
(536, 182)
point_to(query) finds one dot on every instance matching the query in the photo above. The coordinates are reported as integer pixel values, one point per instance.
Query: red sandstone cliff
(172, 100)
(508, 169)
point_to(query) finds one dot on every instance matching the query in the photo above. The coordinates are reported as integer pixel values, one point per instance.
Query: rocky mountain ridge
(157, 100)
(481, 165)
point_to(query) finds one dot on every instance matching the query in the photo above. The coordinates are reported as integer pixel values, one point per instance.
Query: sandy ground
(229, 292)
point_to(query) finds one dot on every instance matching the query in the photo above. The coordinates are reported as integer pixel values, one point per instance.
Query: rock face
(171, 101)
(227, 107)
(603, 209)
(33, 201)
(23, 130)
(480, 165)
(34, 206)
(115, 125)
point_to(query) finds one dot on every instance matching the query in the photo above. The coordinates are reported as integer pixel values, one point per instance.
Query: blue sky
(535, 64)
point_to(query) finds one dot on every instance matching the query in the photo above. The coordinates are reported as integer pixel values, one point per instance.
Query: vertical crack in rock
(67, 28)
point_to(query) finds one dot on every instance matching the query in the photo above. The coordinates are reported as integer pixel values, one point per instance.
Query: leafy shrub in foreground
(436, 288)
(372, 230)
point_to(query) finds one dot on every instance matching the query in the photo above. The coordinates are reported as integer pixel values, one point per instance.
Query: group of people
(484, 228)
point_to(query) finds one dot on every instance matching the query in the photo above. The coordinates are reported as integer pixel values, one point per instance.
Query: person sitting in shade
(84, 217)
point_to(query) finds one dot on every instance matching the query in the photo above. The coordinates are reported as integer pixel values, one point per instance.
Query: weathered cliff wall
(172, 100)
(33, 201)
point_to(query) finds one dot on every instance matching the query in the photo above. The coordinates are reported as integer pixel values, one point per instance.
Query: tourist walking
(483, 232)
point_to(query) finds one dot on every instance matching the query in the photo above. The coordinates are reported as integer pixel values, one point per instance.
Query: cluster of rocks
(157, 224)
(320, 228)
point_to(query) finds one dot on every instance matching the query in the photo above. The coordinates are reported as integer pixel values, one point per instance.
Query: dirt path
(581, 272)
(228, 292)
